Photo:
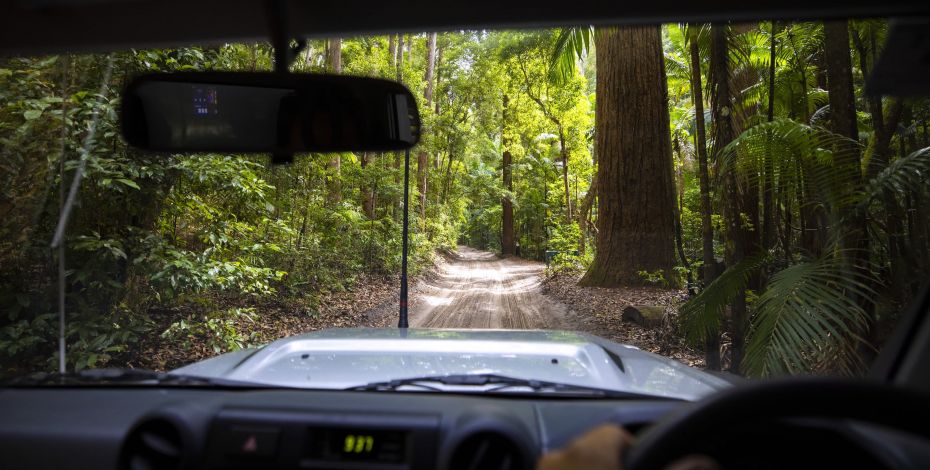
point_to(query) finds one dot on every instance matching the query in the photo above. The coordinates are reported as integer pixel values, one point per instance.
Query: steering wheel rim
(857, 400)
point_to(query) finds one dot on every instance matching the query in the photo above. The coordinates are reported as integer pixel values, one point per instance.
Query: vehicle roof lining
(29, 27)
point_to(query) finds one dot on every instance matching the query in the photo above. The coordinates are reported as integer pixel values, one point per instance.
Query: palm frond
(701, 316)
(902, 177)
(809, 316)
(571, 45)
(797, 155)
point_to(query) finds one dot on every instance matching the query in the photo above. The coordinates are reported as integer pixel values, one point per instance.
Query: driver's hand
(602, 448)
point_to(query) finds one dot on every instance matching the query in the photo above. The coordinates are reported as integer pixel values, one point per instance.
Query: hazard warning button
(251, 442)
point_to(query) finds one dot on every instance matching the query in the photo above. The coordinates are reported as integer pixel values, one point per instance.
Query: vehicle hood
(343, 358)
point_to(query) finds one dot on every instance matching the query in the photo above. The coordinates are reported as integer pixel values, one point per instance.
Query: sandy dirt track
(479, 290)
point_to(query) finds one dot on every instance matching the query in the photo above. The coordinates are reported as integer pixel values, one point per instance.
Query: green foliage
(167, 232)
(567, 262)
(809, 318)
(903, 177)
(571, 45)
(811, 315)
(217, 331)
(564, 237)
(703, 315)
(661, 278)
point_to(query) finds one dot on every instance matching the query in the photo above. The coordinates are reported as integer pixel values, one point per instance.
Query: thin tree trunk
(584, 209)
(392, 49)
(636, 196)
(334, 178)
(507, 235)
(563, 152)
(438, 160)
(737, 203)
(430, 69)
(846, 154)
(400, 58)
(768, 219)
(422, 156)
(368, 191)
(438, 69)
(679, 191)
(711, 343)
(399, 156)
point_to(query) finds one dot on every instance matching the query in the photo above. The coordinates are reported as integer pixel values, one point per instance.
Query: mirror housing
(268, 113)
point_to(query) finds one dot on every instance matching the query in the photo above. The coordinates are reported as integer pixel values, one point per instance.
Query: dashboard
(171, 428)
(177, 428)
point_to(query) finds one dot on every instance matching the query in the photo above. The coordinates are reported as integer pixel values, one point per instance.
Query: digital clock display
(358, 445)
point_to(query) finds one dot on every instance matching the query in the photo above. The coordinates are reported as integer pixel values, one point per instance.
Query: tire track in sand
(479, 290)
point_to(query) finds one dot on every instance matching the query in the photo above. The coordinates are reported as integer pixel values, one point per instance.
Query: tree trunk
(334, 166)
(737, 204)
(508, 239)
(430, 69)
(438, 65)
(768, 174)
(679, 205)
(400, 58)
(563, 152)
(846, 155)
(334, 55)
(840, 83)
(422, 169)
(399, 156)
(584, 222)
(422, 156)
(636, 197)
(392, 49)
(368, 190)
(508, 246)
(438, 160)
(712, 343)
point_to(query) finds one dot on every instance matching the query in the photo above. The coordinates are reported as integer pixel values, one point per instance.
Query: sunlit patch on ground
(480, 290)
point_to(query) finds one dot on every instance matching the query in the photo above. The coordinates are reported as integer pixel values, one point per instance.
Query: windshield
(725, 197)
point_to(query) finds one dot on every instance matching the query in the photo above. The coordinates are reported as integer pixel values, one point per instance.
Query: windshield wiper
(116, 376)
(498, 384)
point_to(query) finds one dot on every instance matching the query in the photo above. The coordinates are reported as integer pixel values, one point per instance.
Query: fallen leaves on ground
(596, 310)
(371, 302)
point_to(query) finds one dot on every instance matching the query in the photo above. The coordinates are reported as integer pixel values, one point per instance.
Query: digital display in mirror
(268, 113)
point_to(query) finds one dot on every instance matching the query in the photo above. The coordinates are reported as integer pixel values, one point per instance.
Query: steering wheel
(762, 403)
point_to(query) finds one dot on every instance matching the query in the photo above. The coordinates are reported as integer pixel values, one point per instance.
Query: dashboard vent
(153, 445)
(489, 450)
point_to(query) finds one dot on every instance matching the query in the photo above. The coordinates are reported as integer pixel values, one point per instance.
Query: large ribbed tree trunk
(636, 195)
(711, 343)
(333, 181)
(508, 246)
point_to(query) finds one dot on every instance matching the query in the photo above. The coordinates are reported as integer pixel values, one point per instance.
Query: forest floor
(597, 310)
(465, 289)
(477, 289)
(371, 302)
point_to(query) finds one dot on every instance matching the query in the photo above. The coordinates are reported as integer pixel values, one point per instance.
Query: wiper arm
(498, 383)
(117, 376)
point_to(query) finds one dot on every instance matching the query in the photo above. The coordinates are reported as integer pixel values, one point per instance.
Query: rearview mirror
(268, 113)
